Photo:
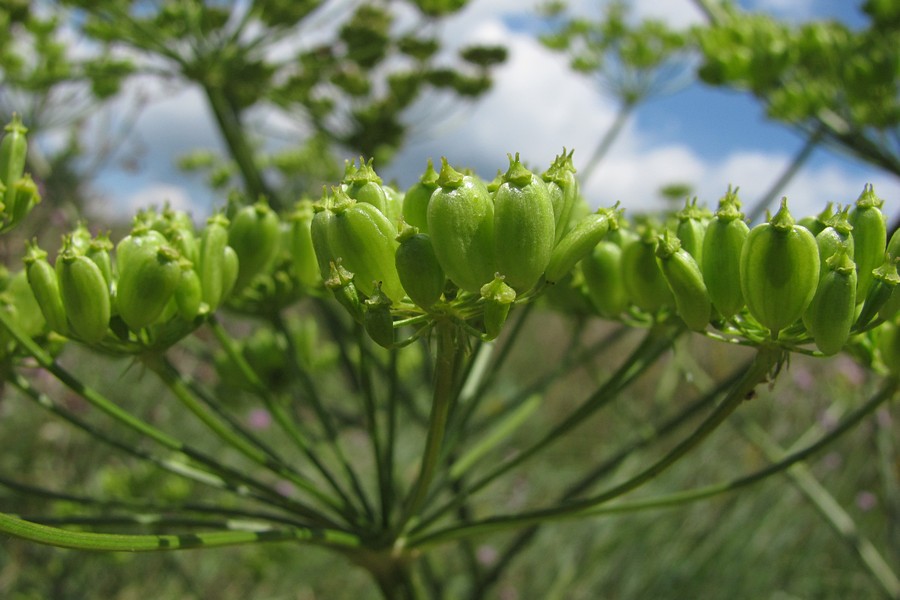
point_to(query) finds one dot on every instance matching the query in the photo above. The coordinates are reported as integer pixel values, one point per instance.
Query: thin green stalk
(111, 409)
(145, 505)
(645, 436)
(325, 418)
(274, 406)
(111, 542)
(446, 367)
(390, 447)
(232, 130)
(841, 522)
(371, 413)
(765, 361)
(173, 465)
(172, 378)
(646, 354)
(606, 142)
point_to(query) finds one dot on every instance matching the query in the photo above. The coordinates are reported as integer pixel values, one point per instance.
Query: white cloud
(154, 194)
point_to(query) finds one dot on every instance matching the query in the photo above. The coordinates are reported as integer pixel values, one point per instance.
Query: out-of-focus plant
(345, 79)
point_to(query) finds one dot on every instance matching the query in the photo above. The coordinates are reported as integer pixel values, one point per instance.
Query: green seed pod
(721, 258)
(685, 282)
(835, 236)
(881, 292)
(363, 238)
(816, 224)
(341, 284)
(562, 187)
(45, 287)
(28, 313)
(415, 201)
(188, 293)
(889, 347)
(602, 271)
(523, 226)
(869, 238)
(580, 241)
(893, 247)
(25, 197)
(79, 239)
(418, 268)
(98, 251)
(642, 276)
(318, 233)
(13, 153)
(300, 244)
(364, 185)
(832, 311)
(254, 234)
(138, 241)
(377, 318)
(147, 285)
(498, 298)
(85, 296)
(213, 241)
(461, 226)
(779, 271)
(692, 221)
(231, 267)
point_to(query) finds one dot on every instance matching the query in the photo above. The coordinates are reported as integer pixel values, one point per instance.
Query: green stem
(315, 400)
(370, 411)
(232, 130)
(173, 380)
(111, 542)
(445, 376)
(606, 142)
(274, 406)
(653, 345)
(765, 360)
(111, 409)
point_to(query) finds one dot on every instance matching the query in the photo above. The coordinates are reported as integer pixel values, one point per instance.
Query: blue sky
(708, 138)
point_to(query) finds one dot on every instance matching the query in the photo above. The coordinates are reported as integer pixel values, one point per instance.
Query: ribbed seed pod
(255, 235)
(13, 152)
(420, 272)
(364, 185)
(461, 226)
(363, 238)
(523, 227)
(685, 281)
(28, 313)
(498, 298)
(318, 233)
(779, 271)
(188, 293)
(692, 221)
(580, 241)
(880, 299)
(341, 284)
(146, 286)
(45, 287)
(85, 296)
(98, 251)
(25, 196)
(721, 259)
(415, 201)
(836, 236)
(832, 311)
(303, 254)
(889, 346)
(213, 241)
(602, 270)
(562, 187)
(817, 223)
(377, 318)
(646, 286)
(869, 238)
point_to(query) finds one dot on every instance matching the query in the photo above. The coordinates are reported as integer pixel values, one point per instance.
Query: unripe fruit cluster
(461, 241)
(821, 280)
